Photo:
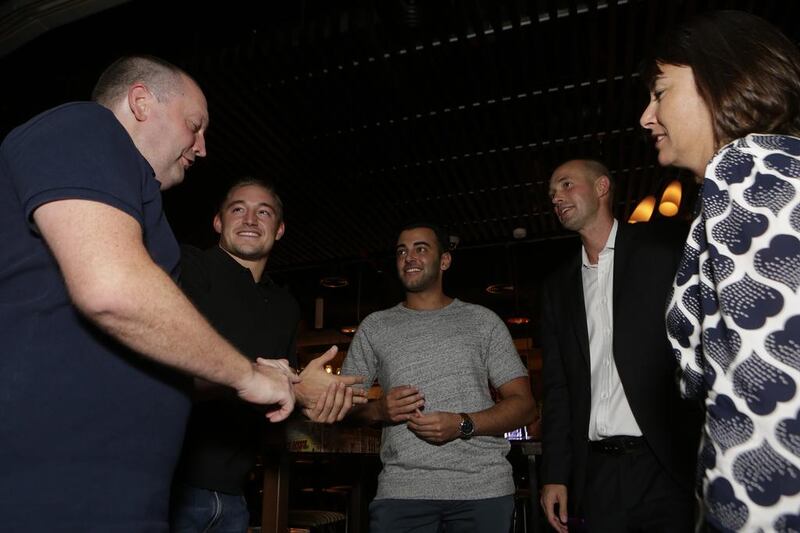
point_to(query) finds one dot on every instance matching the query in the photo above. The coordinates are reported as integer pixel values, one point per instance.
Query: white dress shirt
(611, 413)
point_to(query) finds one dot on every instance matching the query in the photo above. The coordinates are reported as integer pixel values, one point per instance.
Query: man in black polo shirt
(229, 285)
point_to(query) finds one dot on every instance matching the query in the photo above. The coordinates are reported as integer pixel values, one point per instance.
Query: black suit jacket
(645, 261)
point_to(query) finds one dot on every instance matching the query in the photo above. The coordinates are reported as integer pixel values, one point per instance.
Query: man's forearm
(154, 318)
(506, 415)
(515, 409)
(114, 282)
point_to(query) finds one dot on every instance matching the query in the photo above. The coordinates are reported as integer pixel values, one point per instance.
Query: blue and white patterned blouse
(734, 324)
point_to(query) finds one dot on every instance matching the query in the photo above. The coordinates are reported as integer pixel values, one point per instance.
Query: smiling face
(577, 195)
(249, 223)
(679, 120)
(175, 133)
(420, 263)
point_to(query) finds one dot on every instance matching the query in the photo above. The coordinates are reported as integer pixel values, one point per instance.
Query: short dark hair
(442, 237)
(746, 71)
(161, 77)
(258, 182)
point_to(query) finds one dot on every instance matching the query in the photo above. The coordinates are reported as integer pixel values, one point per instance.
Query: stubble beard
(423, 283)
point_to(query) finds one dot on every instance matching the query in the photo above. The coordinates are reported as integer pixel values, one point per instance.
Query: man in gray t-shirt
(442, 450)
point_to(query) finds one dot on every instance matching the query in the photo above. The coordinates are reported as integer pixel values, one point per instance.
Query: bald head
(581, 191)
(594, 169)
(162, 78)
(590, 169)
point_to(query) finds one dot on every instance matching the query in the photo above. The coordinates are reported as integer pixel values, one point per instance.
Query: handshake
(323, 397)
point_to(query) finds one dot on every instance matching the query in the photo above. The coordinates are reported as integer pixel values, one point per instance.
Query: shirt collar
(609, 246)
(226, 259)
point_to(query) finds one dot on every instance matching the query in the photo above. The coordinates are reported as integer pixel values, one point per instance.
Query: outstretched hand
(269, 385)
(332, 405)
(279, 364)
(314, 382)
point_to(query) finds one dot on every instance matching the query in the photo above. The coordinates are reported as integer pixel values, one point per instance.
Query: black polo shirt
(261, 320)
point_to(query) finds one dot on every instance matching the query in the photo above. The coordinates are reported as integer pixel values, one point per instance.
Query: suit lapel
(622, 258)
(620, 261)
(577, 307)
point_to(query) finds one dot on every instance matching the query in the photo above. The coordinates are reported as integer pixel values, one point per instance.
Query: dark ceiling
(367, 113)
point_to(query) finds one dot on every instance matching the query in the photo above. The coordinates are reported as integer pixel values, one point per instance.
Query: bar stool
(522, 499)
(344, 494)
(317, 521)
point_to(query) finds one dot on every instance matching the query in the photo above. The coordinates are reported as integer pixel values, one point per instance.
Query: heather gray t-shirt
(451, 355)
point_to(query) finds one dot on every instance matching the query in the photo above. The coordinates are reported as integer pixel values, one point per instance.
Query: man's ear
(602, 185)
(217, 224)
(140, 101)
(280, 232)
(444, 262)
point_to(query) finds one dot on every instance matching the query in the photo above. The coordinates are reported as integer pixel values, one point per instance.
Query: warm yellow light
(329, 369)
(671, 199)
(644, 210)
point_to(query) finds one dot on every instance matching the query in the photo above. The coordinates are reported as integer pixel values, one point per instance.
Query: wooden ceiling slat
(369, 110)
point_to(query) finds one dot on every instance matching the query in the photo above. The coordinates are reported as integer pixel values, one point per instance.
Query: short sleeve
(502, 360)
(360, 359)
(76, 151)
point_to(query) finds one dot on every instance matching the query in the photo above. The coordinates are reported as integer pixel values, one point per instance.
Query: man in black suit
(618, 442)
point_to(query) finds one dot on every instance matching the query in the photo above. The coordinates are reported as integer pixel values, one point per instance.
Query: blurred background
(368, 113)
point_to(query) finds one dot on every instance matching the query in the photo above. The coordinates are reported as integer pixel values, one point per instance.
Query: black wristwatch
(467, 427)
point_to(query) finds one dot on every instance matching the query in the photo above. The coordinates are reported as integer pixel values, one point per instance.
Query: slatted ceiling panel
(367, 112)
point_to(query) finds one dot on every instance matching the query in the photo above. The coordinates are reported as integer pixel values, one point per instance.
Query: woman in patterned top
(725, 104)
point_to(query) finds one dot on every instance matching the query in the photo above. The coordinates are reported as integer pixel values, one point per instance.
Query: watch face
(466, 427)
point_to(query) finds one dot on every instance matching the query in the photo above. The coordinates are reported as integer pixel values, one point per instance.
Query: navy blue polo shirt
(89, 431)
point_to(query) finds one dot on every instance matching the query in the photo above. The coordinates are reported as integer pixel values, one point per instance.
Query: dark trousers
(631, 492)
(492, 515)
(196, 510)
